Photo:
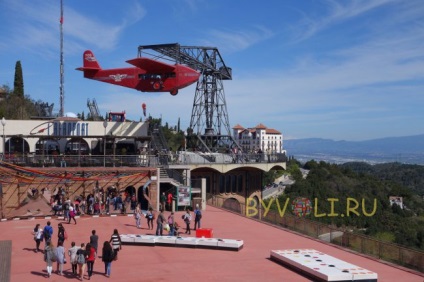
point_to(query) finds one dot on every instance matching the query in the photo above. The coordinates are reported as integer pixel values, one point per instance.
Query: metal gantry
(209, 124)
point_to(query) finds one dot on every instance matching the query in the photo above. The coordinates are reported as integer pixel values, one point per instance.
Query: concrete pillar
(203, 194)
(157, 187)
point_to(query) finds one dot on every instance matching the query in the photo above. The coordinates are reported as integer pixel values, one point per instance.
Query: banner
(184, 195)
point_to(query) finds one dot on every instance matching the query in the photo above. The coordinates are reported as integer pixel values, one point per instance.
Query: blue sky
(344, 70)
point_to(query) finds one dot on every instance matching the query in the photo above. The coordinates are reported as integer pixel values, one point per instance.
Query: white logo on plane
(90, 58)
(117, 77)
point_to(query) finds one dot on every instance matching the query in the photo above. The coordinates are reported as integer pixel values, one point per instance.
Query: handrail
(142, 160)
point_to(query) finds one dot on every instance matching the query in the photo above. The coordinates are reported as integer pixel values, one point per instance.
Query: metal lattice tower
(209, 123)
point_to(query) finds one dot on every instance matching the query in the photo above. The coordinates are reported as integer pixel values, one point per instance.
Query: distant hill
(408, 149)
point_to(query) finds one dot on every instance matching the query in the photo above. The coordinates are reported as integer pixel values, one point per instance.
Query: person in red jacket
(169, 201)
(91, 257)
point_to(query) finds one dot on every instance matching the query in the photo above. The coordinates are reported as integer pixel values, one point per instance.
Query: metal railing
(184, 157)
(82, 160)
(397, 254)
(142, 160)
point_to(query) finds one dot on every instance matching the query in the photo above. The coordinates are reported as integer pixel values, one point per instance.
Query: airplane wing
(151, 66)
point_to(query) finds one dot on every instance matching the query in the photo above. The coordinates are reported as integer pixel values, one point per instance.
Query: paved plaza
(144, 263)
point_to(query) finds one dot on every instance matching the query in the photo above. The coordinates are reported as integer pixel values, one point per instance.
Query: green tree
(5, 92)
(18, 91)
(294, 170)
(18, 85)
(15, 104)
(324, 181)
(178, 125)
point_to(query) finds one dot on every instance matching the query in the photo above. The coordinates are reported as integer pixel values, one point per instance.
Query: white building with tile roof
(258, 137)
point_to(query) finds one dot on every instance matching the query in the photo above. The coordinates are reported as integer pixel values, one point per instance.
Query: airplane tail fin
(91, 66)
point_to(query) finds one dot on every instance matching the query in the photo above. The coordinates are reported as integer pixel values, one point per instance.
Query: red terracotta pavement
(141, 263)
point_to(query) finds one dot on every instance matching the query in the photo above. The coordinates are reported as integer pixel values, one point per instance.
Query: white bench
(322, 267)
(182, 242)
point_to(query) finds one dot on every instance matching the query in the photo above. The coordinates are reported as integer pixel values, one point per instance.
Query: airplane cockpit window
(170, 75)
(147, 76)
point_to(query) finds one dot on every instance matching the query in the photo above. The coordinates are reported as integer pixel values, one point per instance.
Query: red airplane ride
(148, 75)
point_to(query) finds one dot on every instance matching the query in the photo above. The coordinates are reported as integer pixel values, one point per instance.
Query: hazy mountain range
(408, 149)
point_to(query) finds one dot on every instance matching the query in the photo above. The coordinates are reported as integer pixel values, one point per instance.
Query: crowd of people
(82, 257)
(95, 203)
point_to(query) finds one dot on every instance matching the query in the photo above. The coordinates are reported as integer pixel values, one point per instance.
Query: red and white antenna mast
(62, 78)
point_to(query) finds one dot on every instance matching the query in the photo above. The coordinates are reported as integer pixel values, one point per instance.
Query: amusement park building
(259, 137)
(69, 135)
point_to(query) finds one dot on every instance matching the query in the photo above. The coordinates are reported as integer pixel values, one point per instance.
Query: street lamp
(3, 122)
(104, 143)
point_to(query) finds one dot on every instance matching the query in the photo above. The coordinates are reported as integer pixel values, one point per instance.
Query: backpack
(80, 258)
(46, 233)
(198, 215)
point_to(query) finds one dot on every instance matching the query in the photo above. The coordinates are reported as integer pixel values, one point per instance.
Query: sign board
(184, 195)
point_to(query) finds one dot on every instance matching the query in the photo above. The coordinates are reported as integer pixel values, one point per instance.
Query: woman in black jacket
(107, 257)
(61, 234)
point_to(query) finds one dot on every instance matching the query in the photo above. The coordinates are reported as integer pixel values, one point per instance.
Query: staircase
(171, 176)
(158, 140)
(159, 144)
(94, 110)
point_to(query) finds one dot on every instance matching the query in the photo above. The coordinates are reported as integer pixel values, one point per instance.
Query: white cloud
(338, 11)
(237, 40)
(36, 27)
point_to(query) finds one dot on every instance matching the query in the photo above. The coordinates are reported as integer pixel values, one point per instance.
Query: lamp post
(3, 122)
(104, 143)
